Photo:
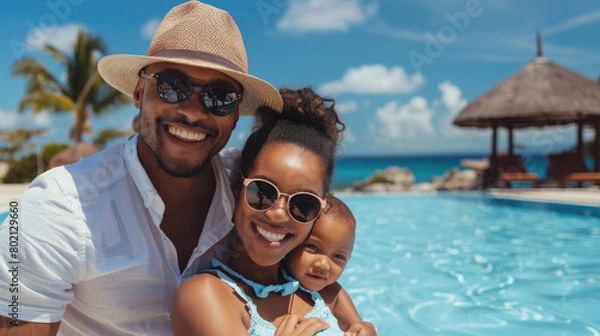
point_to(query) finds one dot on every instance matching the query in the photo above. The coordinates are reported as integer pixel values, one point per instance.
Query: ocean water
(460, 264)
(350, 170)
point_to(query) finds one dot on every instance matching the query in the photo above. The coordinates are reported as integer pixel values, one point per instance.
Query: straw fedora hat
(199, 35)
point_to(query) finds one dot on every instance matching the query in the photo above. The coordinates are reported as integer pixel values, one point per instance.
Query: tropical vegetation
(80, 91)
(26, 168)
(17, 140)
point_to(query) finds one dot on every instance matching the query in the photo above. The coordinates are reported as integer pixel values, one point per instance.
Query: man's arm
(41, 261)
(27, 328)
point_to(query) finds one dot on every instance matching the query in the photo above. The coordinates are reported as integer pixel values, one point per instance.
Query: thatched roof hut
(540, 94)
(72, 154)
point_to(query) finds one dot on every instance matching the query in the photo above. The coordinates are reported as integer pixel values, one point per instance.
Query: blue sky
(400, 70)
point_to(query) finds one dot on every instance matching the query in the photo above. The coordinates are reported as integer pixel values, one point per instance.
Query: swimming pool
(460, 264)
(463, 265)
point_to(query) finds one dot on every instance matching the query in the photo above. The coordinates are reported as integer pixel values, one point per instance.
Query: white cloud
(452, 97)
(346, 107)
(409, 121)
(573, 23)
(325, 15)
(242, 136)
(451, 103)
(348, 136)
(10, 119)
(375, 79)
(61, 37)
(14, 119)
(40, 120)
(149, 28)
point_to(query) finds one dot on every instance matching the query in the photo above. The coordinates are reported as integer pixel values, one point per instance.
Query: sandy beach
(10, 192)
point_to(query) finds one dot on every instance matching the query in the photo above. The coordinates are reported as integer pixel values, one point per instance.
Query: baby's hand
(361, 329)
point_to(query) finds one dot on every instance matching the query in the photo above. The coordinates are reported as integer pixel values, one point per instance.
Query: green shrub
(51, 149)
(378, 177)
(25, 169)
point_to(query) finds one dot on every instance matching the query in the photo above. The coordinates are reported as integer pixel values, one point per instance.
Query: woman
(286, 168)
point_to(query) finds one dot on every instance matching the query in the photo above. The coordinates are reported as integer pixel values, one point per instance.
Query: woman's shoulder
(202, 284)
(206, 305)
(195, 293)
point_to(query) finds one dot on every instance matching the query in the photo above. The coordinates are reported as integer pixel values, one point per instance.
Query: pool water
(459, 264)
(450, 265)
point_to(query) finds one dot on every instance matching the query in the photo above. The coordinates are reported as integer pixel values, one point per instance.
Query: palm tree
(81, 92)
(17, 140)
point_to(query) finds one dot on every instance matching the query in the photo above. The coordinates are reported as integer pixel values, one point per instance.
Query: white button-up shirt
(91, 252)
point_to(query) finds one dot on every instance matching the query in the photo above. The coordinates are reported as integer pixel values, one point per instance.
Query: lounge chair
(570, 167)
(510, 168)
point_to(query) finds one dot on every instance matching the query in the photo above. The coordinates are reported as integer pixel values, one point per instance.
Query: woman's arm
(204, 305)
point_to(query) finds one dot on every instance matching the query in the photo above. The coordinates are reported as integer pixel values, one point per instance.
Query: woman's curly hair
(307, 120)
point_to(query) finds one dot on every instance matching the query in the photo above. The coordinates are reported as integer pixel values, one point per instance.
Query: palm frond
(44, 100)
(37, 74)
(81, 92)
(109, 98)
(56, 54)
(83, 64)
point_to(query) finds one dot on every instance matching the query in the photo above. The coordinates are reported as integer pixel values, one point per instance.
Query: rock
(392, 179)
(399, 177)
(455, 179)
(375, 188)
(424, 187)
(465, 180)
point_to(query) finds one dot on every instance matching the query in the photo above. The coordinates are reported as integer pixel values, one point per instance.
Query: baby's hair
(338, 209)
(307, 120)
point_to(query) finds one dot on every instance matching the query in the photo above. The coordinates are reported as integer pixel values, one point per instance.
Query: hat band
(192, 54)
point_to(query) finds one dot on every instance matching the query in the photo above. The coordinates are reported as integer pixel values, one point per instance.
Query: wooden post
(494, 141)
(510, 140)
(493, 170)
(580, 137)
(597, 144)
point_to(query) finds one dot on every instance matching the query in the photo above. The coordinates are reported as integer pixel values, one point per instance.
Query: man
(102, 244)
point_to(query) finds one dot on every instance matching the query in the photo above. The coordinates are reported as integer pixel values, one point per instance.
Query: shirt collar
(222, 202)
(152, 200)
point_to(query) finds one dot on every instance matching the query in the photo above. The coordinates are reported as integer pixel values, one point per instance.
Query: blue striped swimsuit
(262, 327)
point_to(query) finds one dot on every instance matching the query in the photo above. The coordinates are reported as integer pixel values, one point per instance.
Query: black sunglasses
(262, 195)
(174, 87)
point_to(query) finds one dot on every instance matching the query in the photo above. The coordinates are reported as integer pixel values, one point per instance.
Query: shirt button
(155, 204)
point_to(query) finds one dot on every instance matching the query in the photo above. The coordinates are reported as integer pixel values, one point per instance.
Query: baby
(318, 263)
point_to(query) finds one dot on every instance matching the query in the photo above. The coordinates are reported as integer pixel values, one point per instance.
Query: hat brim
(122, 72)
